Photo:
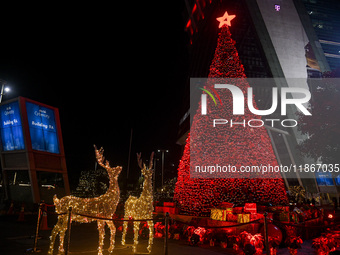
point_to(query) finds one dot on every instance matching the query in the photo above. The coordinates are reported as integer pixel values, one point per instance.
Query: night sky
(108, 68)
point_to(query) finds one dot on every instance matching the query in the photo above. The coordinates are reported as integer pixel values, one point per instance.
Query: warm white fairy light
(103, 206)
(142, 207)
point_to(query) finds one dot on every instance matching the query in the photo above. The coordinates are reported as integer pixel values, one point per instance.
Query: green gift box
(284, 216)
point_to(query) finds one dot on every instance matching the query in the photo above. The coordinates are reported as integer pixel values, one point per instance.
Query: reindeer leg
(54, 234)
(135, 239)
(62, 233)
(112, 236)
(150, 223)
(125, 226)
(101, 229)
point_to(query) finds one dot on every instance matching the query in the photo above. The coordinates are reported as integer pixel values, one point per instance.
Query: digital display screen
(324, 179)
(42, 126)
(337, 180)
(12, 137)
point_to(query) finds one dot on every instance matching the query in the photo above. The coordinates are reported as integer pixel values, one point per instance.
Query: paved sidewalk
(16, 237)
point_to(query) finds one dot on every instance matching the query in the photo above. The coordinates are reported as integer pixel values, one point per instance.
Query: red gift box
(169, 204)
(159, 209)
(164, 209)
(170, 210)
(250, 207)
(232, 217)
(229, 210)
(256, 216)
(238, 210)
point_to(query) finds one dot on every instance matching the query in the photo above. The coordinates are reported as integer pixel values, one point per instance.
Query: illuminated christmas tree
(92, 183)
(237, 146)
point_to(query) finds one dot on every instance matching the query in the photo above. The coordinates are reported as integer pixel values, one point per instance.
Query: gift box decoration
(229, 210)
(218, 214)
(232, 217)
(250, 207)
(284, 217)
(165, 209)
(287, 217)
(293, 218)
(238, 210)
(170, 210)
(159, 209)
(243, 218)
(280, 208)
(256, 216)
(262, 208)
(169, 204)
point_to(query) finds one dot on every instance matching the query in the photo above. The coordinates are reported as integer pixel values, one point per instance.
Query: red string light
(237, 146)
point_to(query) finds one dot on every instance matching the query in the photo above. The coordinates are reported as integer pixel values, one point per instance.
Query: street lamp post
(163, 151)
(4, 174)
(3, 89)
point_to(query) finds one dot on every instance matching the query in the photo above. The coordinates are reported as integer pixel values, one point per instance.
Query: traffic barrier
(43, 224)
(68, 234)
(35, 249)
(265, 221)
(21, 217)
(11, 209)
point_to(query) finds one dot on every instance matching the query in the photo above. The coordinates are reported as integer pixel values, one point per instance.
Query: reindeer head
(113, 172)
(147, 172)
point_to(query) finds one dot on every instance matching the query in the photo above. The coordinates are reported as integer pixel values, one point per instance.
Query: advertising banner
(42, 126)
(11, 128)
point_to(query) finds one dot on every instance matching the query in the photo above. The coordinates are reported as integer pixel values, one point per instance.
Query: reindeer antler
(151, 160)
(139, 160)
(100, 158)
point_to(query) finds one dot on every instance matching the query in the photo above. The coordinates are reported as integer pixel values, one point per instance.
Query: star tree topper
(225, 19)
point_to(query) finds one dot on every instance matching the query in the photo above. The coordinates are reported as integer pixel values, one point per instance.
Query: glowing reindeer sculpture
(142, 207)
(103, 206)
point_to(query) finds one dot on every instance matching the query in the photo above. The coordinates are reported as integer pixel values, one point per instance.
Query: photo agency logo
(239, 100)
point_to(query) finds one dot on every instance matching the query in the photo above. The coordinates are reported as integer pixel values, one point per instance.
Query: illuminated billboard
(324, 179)
(31, 151)
(12, 137)
(42, 127)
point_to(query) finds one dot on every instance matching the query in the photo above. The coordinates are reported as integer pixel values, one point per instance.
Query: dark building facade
(325, 18)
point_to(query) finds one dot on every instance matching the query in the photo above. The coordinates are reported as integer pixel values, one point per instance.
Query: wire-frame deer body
(142, 207)
(103, 206)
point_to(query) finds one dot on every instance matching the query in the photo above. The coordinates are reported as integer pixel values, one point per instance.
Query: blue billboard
(324, 179)
(337, 180)
(42, 126)
(12, 137)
